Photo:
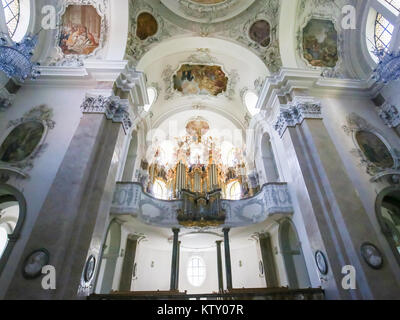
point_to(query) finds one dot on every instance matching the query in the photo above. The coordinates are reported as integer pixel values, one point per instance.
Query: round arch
(295, 265)
(109, 257)
(271, 171)
(174, 46)
(8, 193)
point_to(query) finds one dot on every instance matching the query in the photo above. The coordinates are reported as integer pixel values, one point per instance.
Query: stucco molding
(389, 114)
(356, 124)
(58, 58)
(273, 200)
(41, 114)
(203, 57)
(296, 112)
(114, 108)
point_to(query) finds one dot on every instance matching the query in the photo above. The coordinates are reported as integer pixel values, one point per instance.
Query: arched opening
(129, 169)
(234, 191)
(271, 171)
(388, 214)
(250, 99)
(152, 95)
(160, 189)
(295, 265)
(111, 251)
(12, 216)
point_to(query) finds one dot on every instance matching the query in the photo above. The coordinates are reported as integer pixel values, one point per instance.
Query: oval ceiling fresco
(260, 32)
(147, 26)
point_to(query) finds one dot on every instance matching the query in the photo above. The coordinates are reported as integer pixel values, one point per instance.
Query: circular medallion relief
(147, 26)
(89, 268)
(372, 255)
(320, 260)
(21, 142)
(374, 149)
(260, 32)
(34, 263)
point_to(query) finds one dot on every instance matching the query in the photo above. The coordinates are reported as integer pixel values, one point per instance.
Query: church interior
(200, 149)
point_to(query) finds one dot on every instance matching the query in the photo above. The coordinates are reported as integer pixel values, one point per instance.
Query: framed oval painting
(374, 149)
(260, 32)
(21, 142)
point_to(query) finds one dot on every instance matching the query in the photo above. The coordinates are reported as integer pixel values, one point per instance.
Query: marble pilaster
(75, 212)
(335, 219)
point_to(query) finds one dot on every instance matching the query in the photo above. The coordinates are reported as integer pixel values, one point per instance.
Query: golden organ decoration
(197, 164)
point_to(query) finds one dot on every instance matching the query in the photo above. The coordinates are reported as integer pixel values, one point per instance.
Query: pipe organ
(198, 166)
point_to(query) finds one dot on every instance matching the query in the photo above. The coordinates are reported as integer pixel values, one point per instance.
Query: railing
(235, 294)
(130, 199)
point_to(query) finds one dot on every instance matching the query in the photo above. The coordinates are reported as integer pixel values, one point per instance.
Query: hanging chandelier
(16, 58)
(388, 68)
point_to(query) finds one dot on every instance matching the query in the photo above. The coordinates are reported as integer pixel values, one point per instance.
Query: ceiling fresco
(200, 79)
(254, 28)
(320, 46)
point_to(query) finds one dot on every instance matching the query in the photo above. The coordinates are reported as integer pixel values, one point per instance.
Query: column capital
(226, 230)
(296, 112)
(114, 108)
(390, 115)
(176, 230)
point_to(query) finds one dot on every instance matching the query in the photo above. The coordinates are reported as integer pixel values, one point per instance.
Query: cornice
(311, 81)
(85, 76)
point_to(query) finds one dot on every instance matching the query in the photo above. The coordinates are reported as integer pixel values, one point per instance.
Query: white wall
(245, 270)
(335, 110)
(156, 277)
(211, 282)
(65, 103)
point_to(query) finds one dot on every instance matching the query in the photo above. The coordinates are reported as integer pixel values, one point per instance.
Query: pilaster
(73, 218)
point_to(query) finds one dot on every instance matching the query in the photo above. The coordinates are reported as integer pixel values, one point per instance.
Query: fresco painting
(21, 142)
(146, 26)
(374, 149)
(200, 79)
(320, 43)
(80, 30)
(260, 32)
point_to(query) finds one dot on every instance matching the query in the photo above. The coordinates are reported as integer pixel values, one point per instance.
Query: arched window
(12, 15)
(196, 271)
(383, 32)
(160, 189)
(250, 100)
(234, 191)
(271, 171)
(152, 94)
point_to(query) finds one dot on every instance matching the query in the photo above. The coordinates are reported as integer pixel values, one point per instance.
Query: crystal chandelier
(388, 68)
(15, 58)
